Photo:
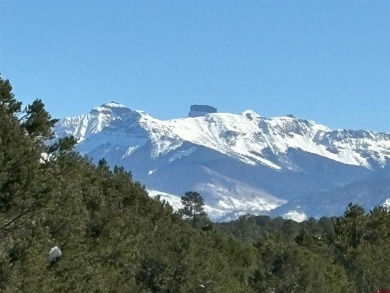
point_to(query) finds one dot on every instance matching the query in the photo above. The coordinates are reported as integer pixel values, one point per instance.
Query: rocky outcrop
(201, 110)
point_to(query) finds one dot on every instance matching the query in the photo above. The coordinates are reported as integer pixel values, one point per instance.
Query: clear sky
(327, 61)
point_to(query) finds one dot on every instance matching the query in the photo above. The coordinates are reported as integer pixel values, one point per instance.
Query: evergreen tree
(192, 204)
(37, 121)
(193, 209)
(8, 104)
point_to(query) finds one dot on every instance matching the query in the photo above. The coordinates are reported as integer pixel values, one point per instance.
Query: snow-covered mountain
(240, 163)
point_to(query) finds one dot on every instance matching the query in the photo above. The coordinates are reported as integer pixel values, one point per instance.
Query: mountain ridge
(286, 154)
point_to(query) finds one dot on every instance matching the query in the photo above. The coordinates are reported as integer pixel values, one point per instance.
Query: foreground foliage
(338, 254)
(114, 238)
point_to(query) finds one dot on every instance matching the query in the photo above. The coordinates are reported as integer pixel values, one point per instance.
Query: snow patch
(254, 206)
(54, 253)
(223, 213)
(295, 216)
(182, 153)
(114, 105)
(174, 201)
(386, 204)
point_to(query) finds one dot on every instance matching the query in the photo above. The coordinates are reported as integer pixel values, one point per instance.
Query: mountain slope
(367, 193)
(239, 163)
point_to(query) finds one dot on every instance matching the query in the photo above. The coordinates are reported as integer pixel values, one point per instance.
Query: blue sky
(327, 61)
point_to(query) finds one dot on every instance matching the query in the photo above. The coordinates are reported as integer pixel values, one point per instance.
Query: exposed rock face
(201, 110)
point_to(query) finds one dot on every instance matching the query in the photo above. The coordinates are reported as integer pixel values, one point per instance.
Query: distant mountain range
(240, 163)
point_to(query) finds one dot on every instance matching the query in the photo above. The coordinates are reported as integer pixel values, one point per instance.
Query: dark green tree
(37, 121)
(8, 103)
(26, 192)
(193, 209)
(192, 204)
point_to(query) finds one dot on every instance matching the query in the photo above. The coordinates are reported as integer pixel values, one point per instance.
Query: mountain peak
(251, 115)
(113, 104)
(111, 107)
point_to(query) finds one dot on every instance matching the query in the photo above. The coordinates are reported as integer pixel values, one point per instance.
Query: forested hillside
(114, 238)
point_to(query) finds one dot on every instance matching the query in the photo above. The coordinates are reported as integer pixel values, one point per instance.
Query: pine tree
(193, 210)
(37, 121)
(8, 104)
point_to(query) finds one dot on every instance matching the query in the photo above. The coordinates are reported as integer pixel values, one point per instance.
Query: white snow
(295, 216)
(254, 206)
(152, 171)
(115, 105)
(182, 153)
(226, 133)
(175, 202)
(223, 213)
(54, 253)
(117, 132)
(244, 137)
(386, 204)
(113, 141)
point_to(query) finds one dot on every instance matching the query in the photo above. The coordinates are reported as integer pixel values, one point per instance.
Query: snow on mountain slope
(93, 122)
(242, 163)
(367, 193)
(242, 136)
(295, 215)
(386, 204)
(175, 202)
